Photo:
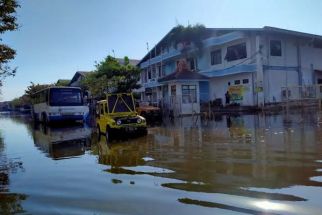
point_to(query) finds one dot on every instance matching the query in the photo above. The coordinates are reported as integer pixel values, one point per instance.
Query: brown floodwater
(247, 164)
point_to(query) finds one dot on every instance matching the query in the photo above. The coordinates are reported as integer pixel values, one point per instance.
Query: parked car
(117, 116)
(151, 113)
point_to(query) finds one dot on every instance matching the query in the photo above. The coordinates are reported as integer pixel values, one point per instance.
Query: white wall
(219, 86)
(310, 59)
(188, 108)
(274, 80)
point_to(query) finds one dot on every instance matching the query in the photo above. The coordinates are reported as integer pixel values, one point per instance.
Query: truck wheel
(143, 131)
(108, 134)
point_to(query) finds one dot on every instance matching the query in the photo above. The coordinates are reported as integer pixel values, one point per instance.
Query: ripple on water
(148, 159)
(148, 169)
(316, 178)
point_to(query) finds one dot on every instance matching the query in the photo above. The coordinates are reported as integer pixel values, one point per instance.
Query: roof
(223, 30)
(133, 62)
(78, 74)
(183, 73)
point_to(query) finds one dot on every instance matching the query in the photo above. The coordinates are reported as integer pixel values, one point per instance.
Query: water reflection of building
(253, 151)
(62, 142)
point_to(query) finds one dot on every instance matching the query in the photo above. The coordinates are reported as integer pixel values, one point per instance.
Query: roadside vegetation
(8, 22)
(110, 76)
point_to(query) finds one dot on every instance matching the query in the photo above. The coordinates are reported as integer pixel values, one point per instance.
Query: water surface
(249, 164)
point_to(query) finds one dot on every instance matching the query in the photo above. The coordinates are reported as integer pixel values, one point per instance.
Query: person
(227, 95)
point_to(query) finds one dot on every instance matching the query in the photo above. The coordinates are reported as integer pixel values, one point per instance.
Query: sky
(57, 38)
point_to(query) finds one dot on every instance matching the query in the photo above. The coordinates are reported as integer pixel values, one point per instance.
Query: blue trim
(244, 68)
(212, 41)
(215, 41)
(151, 84)
(158, 59)
(281, 68)
(204, 91)
(184, 81)
(66, 117)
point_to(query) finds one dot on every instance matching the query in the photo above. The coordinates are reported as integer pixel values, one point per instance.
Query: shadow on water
(10, 203)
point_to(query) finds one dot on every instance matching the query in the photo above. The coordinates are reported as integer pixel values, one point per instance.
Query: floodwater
(248, 164)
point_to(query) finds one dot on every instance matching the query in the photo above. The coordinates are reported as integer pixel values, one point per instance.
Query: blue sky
(58, 38)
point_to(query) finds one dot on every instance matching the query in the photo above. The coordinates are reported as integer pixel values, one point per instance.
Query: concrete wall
(295, 67)
(219, 86)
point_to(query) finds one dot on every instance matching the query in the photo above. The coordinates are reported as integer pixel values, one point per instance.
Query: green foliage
(33, 88)
(112, 77)
(7, 23)
(27, 97)
(186, 35)
(62, 83)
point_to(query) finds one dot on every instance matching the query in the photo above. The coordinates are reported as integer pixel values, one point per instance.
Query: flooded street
(248, 164)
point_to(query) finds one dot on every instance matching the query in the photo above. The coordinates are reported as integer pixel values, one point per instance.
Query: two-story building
(253, 65)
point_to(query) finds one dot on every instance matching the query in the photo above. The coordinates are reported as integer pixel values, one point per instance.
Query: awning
(244, 68)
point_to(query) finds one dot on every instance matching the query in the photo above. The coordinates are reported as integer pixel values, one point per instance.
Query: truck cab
(117, 116)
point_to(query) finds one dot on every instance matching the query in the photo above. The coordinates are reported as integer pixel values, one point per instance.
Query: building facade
(253, 66)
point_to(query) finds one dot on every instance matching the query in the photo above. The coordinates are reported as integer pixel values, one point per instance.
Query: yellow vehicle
(116, 115)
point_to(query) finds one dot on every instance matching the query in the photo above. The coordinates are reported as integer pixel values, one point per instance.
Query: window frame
(189, 93)
(231, 49)
(212, 58)
(270, 48)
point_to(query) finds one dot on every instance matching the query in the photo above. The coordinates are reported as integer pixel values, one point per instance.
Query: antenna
(113, 52)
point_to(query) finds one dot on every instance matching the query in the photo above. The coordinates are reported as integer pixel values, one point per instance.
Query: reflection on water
(251, 164)
(9, 202)
(62, 142)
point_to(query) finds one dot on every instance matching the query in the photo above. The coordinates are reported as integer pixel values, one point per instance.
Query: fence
(298, 93)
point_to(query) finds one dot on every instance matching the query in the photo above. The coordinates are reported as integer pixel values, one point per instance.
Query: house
(77, 78)
(255, 66)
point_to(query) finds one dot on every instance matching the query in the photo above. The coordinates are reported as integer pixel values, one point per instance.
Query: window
(236, 52)
(192, 63)
(237, 82)
(105, 107)
(215, 57)
(149, 74)
(245, 81)
(65, 97)
(173, 90)
(159, 71)
(276, 48)
(189, 94)
(101, 109)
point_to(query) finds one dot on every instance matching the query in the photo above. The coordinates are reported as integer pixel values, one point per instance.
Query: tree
(112, 77)
(62, 83)
(7, 23)
(186, 36)
(26, 99)
(33, 88)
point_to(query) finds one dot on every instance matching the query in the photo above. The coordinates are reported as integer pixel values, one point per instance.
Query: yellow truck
(117, 116)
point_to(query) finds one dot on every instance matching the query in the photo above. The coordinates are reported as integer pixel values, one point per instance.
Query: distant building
(253, 64)
(77, 78)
